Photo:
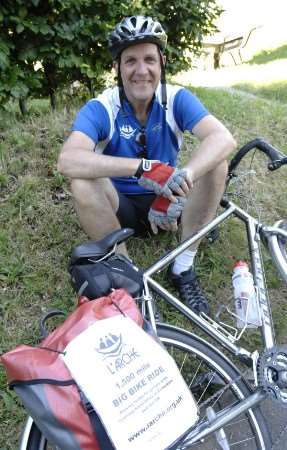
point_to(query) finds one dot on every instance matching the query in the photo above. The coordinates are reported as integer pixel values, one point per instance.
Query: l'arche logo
(115, 353)
(127, 131)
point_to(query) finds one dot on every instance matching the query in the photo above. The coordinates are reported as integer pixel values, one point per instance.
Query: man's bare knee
(222, 169)
(99, 191)
(203, 200)
(82, 190)
(211, 185)
(96, 203)
(218, 174)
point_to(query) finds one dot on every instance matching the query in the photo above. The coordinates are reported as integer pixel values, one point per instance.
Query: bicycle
(229, 408)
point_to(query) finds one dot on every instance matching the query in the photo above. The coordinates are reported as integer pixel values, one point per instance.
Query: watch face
(147, 165)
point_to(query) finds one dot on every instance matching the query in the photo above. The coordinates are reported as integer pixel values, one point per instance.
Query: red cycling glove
(164, 214)
(161, 178)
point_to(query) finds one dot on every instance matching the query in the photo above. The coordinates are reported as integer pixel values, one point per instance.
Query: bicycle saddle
(98, 249)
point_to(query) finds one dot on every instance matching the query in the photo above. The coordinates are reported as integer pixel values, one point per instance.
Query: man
(122, 152)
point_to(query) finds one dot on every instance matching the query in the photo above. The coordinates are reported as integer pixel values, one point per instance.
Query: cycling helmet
(136, 29)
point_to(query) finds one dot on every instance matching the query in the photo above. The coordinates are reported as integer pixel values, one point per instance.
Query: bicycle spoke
(182, 364)
(243, 441)
(191, 384)
(211, 388)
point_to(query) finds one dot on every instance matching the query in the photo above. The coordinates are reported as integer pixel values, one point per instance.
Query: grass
(39, 227)
(270, 55)
(272, 91)
(274, 86)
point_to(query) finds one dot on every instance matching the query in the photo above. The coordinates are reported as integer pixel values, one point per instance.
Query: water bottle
(246, 306)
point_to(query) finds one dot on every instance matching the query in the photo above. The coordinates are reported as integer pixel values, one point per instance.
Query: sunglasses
(141, 141)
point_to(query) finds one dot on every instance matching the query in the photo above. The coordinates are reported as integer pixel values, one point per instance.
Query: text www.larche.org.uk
(156, 419)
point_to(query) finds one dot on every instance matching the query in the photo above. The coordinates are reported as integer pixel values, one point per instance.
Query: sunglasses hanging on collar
(141, 141)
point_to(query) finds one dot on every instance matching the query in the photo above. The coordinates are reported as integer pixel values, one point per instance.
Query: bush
(46, 45)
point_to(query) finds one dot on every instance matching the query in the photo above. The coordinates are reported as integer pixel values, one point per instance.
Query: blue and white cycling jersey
(114, 129)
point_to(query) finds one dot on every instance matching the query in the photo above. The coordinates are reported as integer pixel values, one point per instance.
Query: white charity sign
(132, 383)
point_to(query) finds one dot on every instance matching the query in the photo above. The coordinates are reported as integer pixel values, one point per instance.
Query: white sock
(183, 262)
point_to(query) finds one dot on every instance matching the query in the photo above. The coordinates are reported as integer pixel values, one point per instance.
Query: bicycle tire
(196, 359)
(278, 249)
(188, 350)
(33, 439)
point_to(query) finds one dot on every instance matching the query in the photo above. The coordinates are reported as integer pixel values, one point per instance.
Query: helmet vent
(144, 27)
(158, 29)
(125, 31)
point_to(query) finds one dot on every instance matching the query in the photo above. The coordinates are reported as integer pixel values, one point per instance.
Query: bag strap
(43, 330)
(101, 434)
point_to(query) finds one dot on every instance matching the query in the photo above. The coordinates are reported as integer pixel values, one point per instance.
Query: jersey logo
(157, 127)
(127, 131)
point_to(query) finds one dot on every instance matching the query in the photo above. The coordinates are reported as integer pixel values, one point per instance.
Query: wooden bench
(219, 44)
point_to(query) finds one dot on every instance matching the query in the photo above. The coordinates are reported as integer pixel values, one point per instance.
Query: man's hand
(165, 180)
(164, 214)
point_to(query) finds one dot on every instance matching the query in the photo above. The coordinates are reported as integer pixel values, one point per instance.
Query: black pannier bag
(94, 279)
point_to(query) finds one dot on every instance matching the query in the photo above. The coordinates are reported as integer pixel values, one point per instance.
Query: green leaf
(35, 2)
(33, 26)
(4, 48)
(4, 61)
(19, 28)
(23, 12)
(19, 91)
(28, 54)
(45, 29)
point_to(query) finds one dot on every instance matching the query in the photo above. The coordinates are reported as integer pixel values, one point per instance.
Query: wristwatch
(145, 166)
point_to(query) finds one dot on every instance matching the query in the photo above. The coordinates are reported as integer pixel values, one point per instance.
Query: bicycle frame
(254, 229)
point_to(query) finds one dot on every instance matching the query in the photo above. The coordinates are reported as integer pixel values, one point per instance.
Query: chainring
(272, 373)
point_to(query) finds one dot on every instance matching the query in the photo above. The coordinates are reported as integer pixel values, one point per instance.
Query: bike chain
(222, 390)
(217, 394)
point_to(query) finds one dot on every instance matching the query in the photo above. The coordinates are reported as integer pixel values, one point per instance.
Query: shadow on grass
(269, 55)
(274, 91)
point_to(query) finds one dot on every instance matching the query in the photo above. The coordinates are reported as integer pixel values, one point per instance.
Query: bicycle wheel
(208, 374)
(278, 249)
(33, 439)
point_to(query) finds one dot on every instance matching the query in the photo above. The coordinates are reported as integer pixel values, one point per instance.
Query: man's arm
(216, 143)
(78, 160)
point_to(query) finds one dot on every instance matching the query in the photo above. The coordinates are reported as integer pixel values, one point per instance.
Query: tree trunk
(50, 72)
(23, 106)
(53, 100)
(90, 87)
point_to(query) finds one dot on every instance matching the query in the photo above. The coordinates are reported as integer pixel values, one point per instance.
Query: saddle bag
(94, 279)
(46, 387)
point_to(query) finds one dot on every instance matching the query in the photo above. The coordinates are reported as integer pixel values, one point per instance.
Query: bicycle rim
(208, 375)
(33, 439)
(278, 249)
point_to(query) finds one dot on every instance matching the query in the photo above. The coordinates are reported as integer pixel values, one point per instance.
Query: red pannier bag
(46, 387)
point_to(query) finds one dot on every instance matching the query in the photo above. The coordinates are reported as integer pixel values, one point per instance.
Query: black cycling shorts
(133, 212)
